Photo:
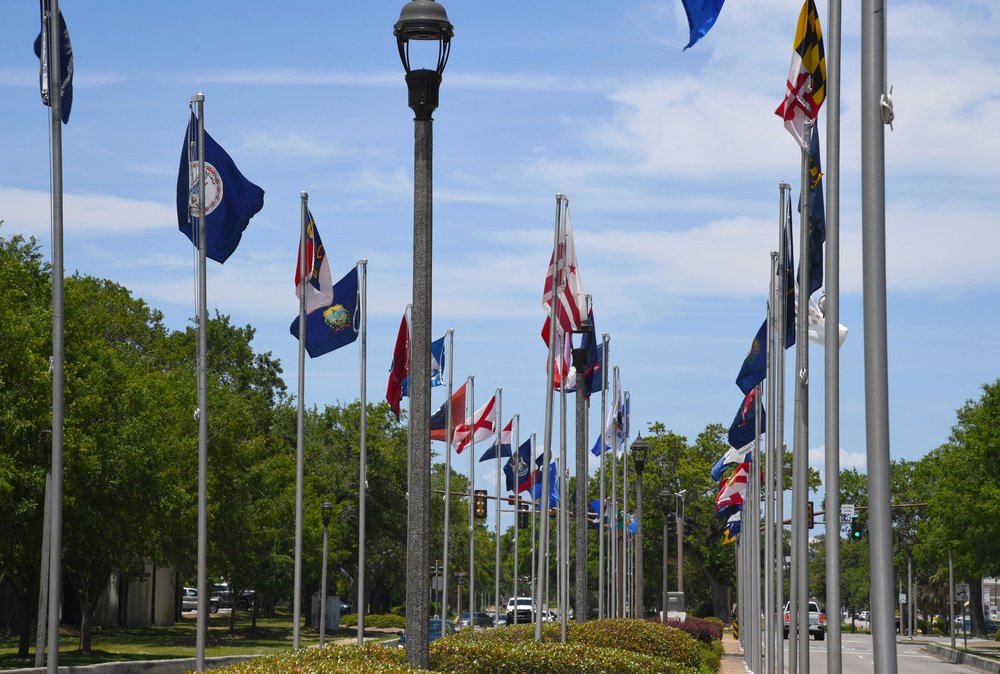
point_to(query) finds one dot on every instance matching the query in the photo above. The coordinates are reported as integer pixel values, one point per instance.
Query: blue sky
(671, 161)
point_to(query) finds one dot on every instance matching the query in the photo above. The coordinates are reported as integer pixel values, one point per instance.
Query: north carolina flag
(806, 86)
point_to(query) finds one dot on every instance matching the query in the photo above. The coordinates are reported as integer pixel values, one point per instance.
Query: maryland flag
(806, 86)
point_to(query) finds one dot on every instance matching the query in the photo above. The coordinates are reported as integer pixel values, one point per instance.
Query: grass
(111, 644)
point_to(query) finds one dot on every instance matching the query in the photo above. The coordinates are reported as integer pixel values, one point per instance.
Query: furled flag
(437, 367)
(336, 325)
(399, 371)
(554, 483)
(481, 427)
(616, 426)
(701, 15)
(733, 524)
(789, 279)
(505, 440)
(594, 367)
(517, 470)
(754, 367)
(230, 199)
(564, 275)
(806, 86)
(733, 488)
(743, 429)
(595, 508)
(817, 214)
(65, 51)
(318, 284)
(817, 326)
(439, 423)
(732, 456)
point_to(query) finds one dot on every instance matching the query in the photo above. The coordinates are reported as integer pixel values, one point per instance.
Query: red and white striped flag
(564, 274)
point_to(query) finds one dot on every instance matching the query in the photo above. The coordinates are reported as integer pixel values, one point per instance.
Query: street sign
(962, 591)
(847, 510)
(902, 598)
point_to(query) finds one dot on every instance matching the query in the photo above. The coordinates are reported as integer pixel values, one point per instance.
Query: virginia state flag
(64, 53)
(335, 326)
(230, 199)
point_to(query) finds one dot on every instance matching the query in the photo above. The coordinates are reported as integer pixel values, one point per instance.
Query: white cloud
(29, 213)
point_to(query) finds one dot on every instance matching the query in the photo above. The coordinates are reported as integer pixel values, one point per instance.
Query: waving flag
(806, 86)
(817, 214)
(564, 275)
(505, 443)
(616, 425)
(733, 456)
(701, 16)
(754, 367)
(817, 326)
(732, 489)
(482, 426)
(399, 371)
(64, 52)
(437, 367)
(743, 429)
(230, 199)
(554, 486)
(439, 420)
(517, 470)
(336, 325)
(318, 285)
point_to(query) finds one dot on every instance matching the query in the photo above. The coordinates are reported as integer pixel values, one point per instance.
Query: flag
(399, 370)
(789, 280)
(554, 483)
(517, 470)
(806, 86)
(563, 366)
(230, 199)
(817, 326)
(439, 418)
(437, 367)
(732, 489)
(701, 15)
(319, 286)
(481, 427)
(743, 429)
(335, 326)
(65, 51)
(616, 424)
(732, 456)
(754, 367)
(817, 214)
(504, 440)
(564, 274)
(733, 524)
(595, 360)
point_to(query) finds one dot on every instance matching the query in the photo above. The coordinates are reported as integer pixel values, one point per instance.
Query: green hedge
(382, 620)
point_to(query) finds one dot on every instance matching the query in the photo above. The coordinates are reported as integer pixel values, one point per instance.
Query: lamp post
(421, 20)
(580, 357)
(680, 540)
(327, 508)
(639, 452)
(665, 504)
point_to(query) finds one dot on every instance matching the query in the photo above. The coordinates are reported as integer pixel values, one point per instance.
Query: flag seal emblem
(337, 317)
(213, 188)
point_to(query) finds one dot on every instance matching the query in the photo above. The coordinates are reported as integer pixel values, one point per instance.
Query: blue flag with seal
(754, 366)
(517, 470)
(701, 16)
(230, 199)
(332, 327)
(742, 432)
(65, 51)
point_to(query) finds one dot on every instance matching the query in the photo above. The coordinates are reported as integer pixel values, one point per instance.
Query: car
(817, 622)
(863, 615)
(481, 620)
(189, 599)
(222, 597)
(520, 610)
(437, 628)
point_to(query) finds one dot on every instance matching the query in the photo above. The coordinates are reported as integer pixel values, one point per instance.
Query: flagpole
(773, 351)
(562, 567)
(363, 459)
(625, 607)
(615, 573)
(58, 340)
(558, 280)
(517, 508)
(202, 412)
(496, 572)
(300, 426)
(534, 589)
(470, 406)
(602, 505)
(450, 344)
(784, 198)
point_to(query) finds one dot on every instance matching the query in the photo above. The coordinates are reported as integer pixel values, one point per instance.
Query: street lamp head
(639, 451)
(424, 20)
(327, 509)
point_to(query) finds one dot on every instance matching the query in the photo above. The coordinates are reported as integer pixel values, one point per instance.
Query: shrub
(705, 630)
(640, 636)
(330, 660)
(382, 620)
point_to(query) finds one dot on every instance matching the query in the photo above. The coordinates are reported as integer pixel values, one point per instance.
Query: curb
(962, 658)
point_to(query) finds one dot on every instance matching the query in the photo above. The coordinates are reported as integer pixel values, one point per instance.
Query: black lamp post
(327, 509)
(421, 20)
(665, 495)
(581, 611)
(639, 452)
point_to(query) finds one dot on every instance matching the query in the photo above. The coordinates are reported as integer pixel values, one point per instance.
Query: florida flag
(481, 427)
(805, 90)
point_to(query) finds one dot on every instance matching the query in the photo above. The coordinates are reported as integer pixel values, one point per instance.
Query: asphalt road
(858, 657)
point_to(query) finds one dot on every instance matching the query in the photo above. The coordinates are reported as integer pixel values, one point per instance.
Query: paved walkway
(732, 656)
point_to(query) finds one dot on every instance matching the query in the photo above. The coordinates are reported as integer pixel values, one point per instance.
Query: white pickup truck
(817, 622)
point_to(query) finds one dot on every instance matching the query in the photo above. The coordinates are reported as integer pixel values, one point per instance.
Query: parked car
(189, 599)
(817, 622)
(863, 615)
(481, 620)
(438, 628)
(222, 597)
(523, 608)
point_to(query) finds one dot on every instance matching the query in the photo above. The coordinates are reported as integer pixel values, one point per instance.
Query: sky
(671, 161)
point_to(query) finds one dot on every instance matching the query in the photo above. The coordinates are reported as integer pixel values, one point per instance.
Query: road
(858, 657)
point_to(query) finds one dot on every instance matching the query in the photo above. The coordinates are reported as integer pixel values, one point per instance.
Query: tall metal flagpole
(449, 346)
(784, 194)
(873, 97)
(557, 287)
(563, 560)
(834, 657)
(601, 506)
(534, 550)
(496, 567)
(363, 459)
(515, 452)
(202, 411)
(300, 426)
(470, 418)
(581, 612)
(615, 574)
(769, 525)
(58, 339)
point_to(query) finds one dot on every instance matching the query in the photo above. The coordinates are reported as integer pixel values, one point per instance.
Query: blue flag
(336, 325)
(755, 364)
(517, 470)
(553, 486)
(230, 199)
(65, 53)
(701, 15)
(817, 214)
(789, 283)
(437, 367)
(595, 361)
(743, 430)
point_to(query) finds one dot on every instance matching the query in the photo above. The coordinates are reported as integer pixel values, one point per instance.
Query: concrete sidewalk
(732, 656)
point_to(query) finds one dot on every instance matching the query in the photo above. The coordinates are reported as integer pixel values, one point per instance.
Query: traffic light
(855, 530)
(688, 526)
(810, 518)
(480, 504)
(523, 521)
